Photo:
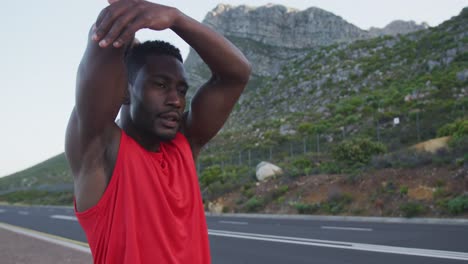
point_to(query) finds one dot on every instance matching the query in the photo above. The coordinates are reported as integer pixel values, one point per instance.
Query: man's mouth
(170, 119)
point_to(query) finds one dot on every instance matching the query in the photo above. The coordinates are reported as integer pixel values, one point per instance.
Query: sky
(42, 43)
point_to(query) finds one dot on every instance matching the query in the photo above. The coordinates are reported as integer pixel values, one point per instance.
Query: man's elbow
(245, 70)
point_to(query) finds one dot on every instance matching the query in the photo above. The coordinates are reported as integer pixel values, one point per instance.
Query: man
(136, 190)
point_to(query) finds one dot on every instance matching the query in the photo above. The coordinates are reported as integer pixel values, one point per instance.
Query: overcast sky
(42, 43)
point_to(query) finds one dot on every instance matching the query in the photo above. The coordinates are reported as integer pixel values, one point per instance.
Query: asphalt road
(259, 240)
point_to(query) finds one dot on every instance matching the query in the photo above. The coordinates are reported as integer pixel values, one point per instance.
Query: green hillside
(51, 175)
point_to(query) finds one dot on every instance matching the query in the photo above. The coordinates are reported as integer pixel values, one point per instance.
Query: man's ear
(126, 100)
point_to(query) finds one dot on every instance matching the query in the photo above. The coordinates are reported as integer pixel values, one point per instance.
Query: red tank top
(151, 211)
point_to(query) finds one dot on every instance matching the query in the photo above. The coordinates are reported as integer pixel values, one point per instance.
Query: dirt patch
(432, 145)
(421, 193)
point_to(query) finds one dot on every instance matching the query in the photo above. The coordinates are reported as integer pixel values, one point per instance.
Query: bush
(456, 129)
(299, 166)
(412, 209)
(404, 190)
(330, 167)
(254, 204)
(210, 175)
(459, 146)
(337, 203)
(303, 208)
(283, 189)
(247, 192)
(458, 205)
(357, 151)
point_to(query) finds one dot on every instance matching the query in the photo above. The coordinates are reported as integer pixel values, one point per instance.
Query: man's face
(157, 98)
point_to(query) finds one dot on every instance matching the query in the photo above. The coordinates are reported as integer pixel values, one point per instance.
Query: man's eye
(158, 84)
(183, 91)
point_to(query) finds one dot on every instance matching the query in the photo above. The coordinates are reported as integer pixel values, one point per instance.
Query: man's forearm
(226, 62)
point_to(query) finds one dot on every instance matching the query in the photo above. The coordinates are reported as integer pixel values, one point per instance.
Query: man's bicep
(209, 110)
(81, 147)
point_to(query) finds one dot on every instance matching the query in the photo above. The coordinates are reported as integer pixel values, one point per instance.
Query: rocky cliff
(272, 35)
(397, 27)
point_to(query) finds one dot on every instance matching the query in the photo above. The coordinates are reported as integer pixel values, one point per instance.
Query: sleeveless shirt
(151, 210)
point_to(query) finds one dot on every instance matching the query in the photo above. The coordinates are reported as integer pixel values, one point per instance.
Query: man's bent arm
(100, 90)
(214, 101)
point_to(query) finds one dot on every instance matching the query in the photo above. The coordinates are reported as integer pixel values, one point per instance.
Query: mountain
(271, 35)
(349, 86)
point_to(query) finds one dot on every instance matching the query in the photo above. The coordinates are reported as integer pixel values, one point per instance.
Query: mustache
(177, 115)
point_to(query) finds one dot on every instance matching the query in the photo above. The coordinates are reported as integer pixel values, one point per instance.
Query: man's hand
(118, 22)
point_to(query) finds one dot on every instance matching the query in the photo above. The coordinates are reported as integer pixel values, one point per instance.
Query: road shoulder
(19, 245)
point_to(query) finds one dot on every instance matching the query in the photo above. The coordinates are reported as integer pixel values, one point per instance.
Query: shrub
(248, 192)
(254, 204)
(303, 208)
(218, 188)
(299, 166)
(337, 203)
(412, 209)
(357, 151)
(456, 129)
(280, 191)
(459, 146)
(330, 167)
(458, 205)
(210, 175)
(404, 190)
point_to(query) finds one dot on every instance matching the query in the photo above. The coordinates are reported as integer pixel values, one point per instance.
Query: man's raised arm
(92, 136)
(214, 101)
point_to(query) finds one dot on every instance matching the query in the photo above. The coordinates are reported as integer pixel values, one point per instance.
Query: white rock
(267, 170)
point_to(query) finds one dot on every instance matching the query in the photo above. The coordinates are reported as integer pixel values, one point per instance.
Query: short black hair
(135, 57)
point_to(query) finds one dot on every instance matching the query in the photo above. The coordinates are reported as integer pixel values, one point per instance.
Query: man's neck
(145, 140)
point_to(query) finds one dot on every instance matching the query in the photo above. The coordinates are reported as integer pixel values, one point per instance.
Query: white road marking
(23, 212)
(2, 210)
(344, 245)
(347, 228)
(64, 217)
(49, 238)
(233, 222)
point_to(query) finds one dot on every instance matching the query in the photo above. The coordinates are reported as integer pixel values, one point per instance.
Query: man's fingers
(107, 18)
(123, 24)
(128, 33)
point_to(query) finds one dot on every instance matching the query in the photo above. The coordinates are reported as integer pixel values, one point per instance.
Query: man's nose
(173, 98)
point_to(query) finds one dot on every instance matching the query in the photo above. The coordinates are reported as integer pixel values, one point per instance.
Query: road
(274, 240)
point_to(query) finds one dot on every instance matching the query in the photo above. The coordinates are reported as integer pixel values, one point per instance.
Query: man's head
(157, 87)
(136, 56)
